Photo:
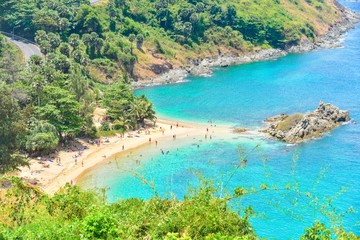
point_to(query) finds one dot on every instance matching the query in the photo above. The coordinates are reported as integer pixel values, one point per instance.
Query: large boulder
(297, 128)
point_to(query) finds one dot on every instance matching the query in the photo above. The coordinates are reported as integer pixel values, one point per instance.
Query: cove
(244, 96)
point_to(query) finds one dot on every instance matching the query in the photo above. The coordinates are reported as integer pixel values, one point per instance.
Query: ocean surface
(327, 170)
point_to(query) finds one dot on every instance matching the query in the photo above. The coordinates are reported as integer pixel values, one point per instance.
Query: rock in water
(298, 128)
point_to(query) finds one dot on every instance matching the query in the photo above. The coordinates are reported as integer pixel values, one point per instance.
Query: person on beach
(149, 139)
(177, 124)
(156, 142)
(82, 163)
(123, 147)
(170, 127)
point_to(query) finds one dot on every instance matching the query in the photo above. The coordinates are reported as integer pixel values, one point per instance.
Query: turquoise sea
(245, 95)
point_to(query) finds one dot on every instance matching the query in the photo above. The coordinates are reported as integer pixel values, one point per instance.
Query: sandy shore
(50, 175)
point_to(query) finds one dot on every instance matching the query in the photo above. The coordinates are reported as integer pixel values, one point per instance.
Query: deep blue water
(245, 95)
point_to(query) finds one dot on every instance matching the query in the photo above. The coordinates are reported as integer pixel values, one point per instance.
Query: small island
(300, 127)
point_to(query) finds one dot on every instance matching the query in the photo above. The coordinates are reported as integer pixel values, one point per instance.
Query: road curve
(94, 1)
(28, 49)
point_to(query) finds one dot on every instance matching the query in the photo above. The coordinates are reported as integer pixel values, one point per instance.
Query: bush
(105, 126)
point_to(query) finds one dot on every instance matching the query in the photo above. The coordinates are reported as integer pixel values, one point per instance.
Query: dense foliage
(53, 99)
(176, 30)
(73, 214)
(90, 55)
(26, 213)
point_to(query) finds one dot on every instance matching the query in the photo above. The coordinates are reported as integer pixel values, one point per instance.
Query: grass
(289, 122)
(110, 133)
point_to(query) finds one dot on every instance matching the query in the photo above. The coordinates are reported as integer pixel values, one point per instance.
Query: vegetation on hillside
(27, 213)
(125, 39)
(90, 55)
(53, 99)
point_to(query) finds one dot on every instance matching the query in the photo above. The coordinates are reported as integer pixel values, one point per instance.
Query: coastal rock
(276, 118)
(240, 130)
(298, 127)
(332, 39)
(204, 67)
(161, 68)
(200, 71)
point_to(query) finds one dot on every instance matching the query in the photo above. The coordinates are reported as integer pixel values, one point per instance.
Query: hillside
(91, 53)
(120, 39)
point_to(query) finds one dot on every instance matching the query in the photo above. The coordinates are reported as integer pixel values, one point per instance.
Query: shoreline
(51, 176)
(205, 67)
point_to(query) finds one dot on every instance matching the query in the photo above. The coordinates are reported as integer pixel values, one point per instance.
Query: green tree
(318, 231)
(60, 109)
(60, 62)
(12, 127)
(43, 138)
(38, 83)
(64, 48)
(132, 38)
(77, 83)
(141, 109)
(139, 41)
(54, 40)
(46, 19)
(88, 20)
(117, 100)
(74, 40)
(11, 68)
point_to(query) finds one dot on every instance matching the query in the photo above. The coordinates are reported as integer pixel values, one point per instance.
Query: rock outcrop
(298, 128)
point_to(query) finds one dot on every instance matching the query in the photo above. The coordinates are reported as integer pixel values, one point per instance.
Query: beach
(52, 172)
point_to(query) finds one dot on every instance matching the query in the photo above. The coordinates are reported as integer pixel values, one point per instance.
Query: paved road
(28, 49)
(94, 1)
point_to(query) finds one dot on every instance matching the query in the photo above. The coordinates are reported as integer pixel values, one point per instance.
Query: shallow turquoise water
(245, 95)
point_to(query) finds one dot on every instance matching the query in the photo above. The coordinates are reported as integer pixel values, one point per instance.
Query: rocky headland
(204, 67)
(300, 127)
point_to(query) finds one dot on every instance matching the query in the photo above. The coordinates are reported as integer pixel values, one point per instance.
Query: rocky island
(300, 127)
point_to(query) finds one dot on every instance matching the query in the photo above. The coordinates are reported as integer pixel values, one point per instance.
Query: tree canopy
(12, 127)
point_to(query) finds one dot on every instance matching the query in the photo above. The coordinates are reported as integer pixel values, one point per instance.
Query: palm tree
(74, 40)
(123, 124)
(142, 109)
(139, 41)
(132, 38)
(38, 83)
